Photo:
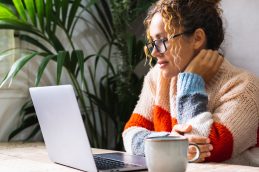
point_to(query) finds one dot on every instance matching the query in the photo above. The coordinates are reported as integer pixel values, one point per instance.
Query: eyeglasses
(160, 44)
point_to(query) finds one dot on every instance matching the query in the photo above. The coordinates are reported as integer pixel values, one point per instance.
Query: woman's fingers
(203, 148)
(203, 144)
(198, 139)
(182, 128)
(204, 152)
(218, 62)
(205, 64)
(201, 158)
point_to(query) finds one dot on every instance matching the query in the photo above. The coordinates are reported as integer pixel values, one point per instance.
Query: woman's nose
(155, 52)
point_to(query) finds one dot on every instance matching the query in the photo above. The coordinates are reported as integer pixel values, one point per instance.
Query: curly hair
(190, 15)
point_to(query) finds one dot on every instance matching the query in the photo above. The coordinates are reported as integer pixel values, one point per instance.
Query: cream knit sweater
(226, 110)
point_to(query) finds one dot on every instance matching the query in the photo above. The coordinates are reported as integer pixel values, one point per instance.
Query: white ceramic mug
(168, 154)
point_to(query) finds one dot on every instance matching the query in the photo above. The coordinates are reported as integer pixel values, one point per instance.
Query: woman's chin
(169, 74)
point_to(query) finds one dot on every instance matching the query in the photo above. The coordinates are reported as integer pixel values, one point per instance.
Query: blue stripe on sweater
(191, 96)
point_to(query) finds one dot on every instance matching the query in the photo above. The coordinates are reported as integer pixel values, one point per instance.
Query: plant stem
(81, 98)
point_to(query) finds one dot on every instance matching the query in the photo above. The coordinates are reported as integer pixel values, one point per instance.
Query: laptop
(65, 136)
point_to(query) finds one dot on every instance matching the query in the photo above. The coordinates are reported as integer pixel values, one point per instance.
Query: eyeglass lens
(159, 44)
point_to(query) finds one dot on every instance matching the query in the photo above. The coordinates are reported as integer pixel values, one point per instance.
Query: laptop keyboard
(105, 164)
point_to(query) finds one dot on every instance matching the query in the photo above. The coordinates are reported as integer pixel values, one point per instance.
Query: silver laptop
(65, 135)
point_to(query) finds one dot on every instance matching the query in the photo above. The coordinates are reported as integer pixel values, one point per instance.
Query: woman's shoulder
(239, 75)
(236, 80)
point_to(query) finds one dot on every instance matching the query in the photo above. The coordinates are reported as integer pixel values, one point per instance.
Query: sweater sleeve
(140, 124)
(231, 127)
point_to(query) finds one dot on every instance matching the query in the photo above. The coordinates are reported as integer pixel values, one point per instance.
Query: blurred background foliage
(106, 102)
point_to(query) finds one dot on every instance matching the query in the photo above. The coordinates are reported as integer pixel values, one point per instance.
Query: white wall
(241, 44)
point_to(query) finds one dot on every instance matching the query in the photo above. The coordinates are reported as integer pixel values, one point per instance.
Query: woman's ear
(200, 39)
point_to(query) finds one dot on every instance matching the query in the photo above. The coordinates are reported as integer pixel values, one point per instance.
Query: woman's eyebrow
(157, 36)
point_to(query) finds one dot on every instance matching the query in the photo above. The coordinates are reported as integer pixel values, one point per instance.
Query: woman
(192, 90)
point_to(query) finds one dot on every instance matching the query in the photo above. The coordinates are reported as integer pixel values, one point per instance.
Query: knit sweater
(226, 110)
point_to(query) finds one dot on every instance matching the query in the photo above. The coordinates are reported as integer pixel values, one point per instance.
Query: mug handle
(198, 152)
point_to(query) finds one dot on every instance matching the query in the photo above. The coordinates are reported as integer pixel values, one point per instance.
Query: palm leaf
(17, 66)
(28, 122)
(56, 43)
(57, 8)
(64, 5)
(20, 9)
(97, 57)
(15, 24)
(42, 67)
(34, 42)
(31, 11)
(103, 20)
(107, 11)
(61, 57)
(80, 57)
(5, 12)
(40, 12)
(48, 14)
(72, 13)
(35, 131)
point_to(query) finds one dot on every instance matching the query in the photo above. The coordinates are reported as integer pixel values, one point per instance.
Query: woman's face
(179, 52)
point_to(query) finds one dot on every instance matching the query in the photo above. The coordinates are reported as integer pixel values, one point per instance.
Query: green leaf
(62, 55)
(56, 43)
(42, 67)
(57, 8)
(31, 10)
(91, 3)
(17, 66)
(64, 11)
(97, 58)
(4, 54)
(80, 57)
(20, 8)
(7, 2)
(15, 24)
(34, 42)
(28, 122)
(73, 62)
(107, 11)
(103, 58)
(5, 12)
(103, 20)
(48, 14)
(35, 131)
(130, 41)
(72, 13)
(40, 12)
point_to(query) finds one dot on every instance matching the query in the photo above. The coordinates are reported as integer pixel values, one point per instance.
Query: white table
(32, 157)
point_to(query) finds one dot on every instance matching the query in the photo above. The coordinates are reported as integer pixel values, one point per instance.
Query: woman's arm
(232, 127)
(140, 124)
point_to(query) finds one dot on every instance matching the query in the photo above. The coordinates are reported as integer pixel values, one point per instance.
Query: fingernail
(210, 147)
(208, 141)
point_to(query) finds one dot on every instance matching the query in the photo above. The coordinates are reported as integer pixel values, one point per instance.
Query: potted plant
(106, 102)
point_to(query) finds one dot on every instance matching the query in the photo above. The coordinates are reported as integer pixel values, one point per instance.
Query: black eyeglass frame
(164, 40)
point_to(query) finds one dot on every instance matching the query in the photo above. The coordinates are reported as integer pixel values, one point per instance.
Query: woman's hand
(202, 142)
(205, 64)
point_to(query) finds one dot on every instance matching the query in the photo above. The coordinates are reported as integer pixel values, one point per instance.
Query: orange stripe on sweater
(162, 119)
(222, 141)
(139, 121)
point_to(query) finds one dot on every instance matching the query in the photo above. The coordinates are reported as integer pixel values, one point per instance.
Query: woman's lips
(162, 64)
